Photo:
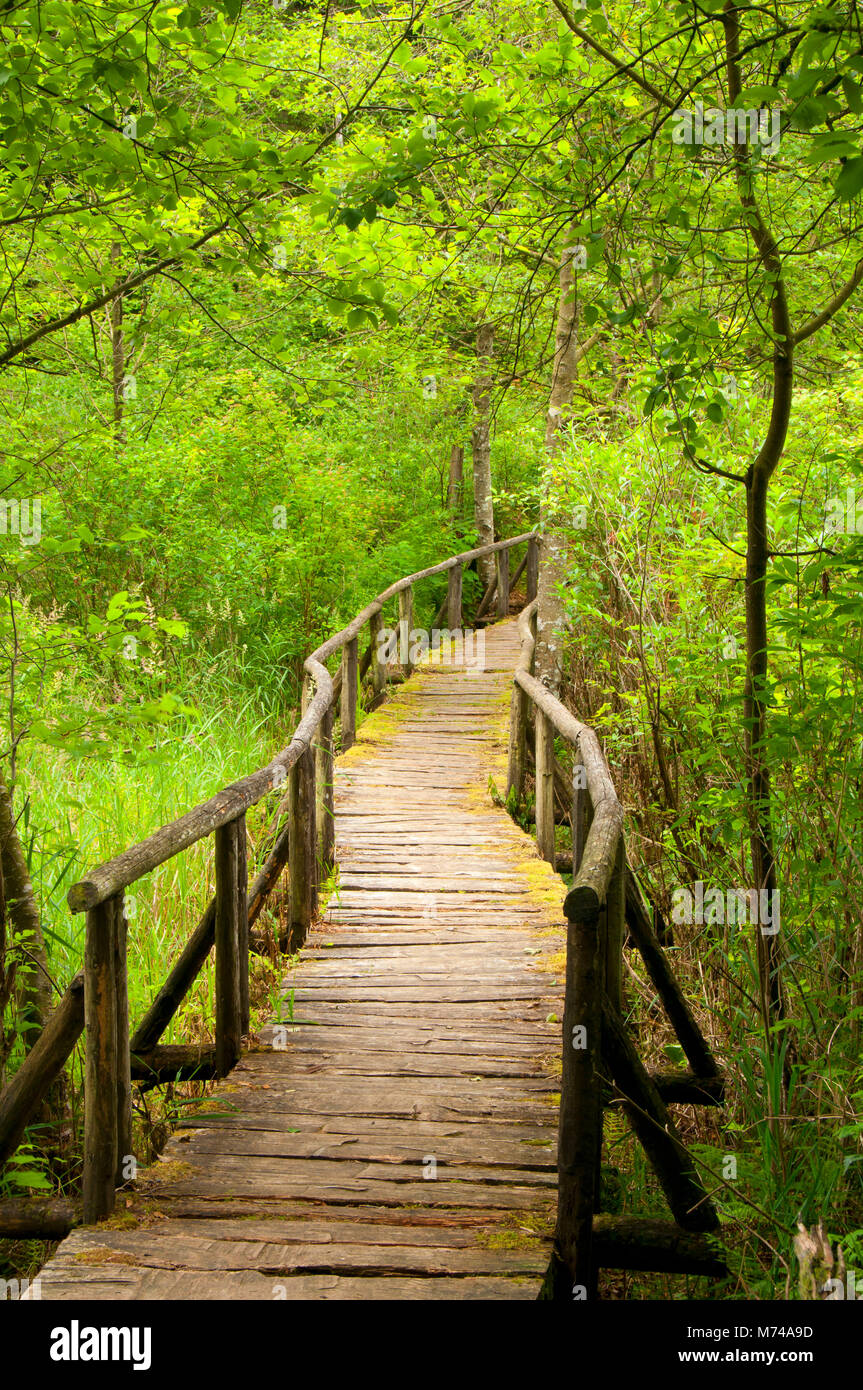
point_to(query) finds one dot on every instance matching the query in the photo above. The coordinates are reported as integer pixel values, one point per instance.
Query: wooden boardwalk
(394, 1135)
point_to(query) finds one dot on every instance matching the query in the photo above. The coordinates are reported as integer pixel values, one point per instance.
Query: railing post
(453, 598)
(517, 741)
(302, 814)
(580, 1123)
(243, 922)
(308, 765)
(615, 928)
(102, 1069)
(544, 769)
(324, 810)
(349, 694)
(532, 568)
(406, 622)
(502, 583)
(124, 1062)
(379, 666)
(227, 929)
(580, 815)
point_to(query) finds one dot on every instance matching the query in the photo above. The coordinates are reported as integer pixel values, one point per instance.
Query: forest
(300, 297)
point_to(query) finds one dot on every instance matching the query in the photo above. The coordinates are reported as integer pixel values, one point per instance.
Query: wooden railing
(97, 1002)
(601, 1065)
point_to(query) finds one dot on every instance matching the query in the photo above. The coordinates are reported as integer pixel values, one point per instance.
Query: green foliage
(247, 251)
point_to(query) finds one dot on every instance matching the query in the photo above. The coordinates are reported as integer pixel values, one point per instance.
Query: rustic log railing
(601, 1065)
(97, 1003)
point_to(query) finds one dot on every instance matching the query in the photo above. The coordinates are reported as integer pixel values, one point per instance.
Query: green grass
(82, 812)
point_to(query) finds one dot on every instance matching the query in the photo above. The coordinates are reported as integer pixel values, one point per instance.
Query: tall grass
(78, 813)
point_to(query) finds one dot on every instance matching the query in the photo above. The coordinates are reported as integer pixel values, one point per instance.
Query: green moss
(103, 1256)
(169, 1171)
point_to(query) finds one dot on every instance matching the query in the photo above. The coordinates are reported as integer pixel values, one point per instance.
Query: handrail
(595, 1042)
(591, 882)
(141, 858)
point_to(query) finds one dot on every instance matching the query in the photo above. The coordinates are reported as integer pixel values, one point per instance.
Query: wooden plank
(113, 1281)
(189, 1251)
(484, 1150)
(236, 1177)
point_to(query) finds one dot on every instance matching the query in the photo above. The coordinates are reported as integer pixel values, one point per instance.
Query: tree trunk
(481, 449)
(755, 721)
(7, 984)
(566, 353)
(757, 559)
(33, 984)
(118, 357)
(553, 554)
(454, 483)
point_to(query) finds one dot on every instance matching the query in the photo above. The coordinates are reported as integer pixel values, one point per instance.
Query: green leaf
(22, 1178)
(850, 179)
(853, 95)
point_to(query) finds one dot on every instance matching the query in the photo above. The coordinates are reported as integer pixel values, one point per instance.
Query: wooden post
(502, 583)
(349, 694)
(453, 598)
(307, 774)
(580, 805)
(301, 830)
(228, 1020)
(243, 922)
(517, 741)
(125, 1172)
(324, 812)
(101, 1069)
(615, 916)
(454, 485)
(544, 770)
(379, 666)
(532, 568)
(580, 1122)
(307, 766)
(406, 622)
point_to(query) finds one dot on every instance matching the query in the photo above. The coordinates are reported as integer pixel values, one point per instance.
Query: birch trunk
(553, 552)
(481, 450)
